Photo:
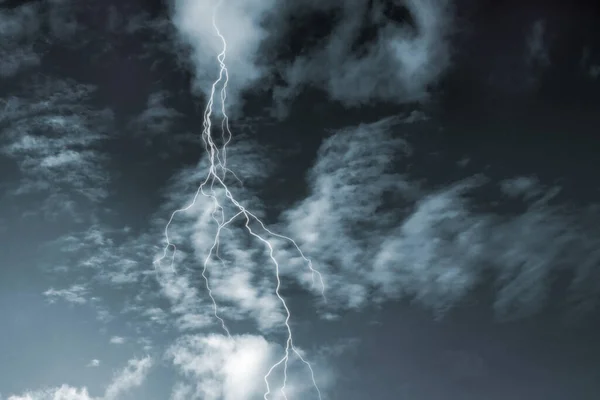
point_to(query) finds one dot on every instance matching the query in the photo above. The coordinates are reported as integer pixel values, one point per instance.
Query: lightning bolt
(216, 177)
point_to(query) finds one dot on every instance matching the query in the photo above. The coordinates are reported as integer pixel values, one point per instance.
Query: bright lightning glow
(216, 176)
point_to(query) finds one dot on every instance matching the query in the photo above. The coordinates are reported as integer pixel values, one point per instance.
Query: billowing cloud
(221, 367)
(398, 65)
(224, 368)
(240, 23)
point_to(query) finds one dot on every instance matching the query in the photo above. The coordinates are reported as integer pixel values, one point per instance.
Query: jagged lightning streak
(218, 165)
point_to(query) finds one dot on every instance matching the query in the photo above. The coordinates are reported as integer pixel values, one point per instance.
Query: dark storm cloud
(27, 30)
(537, 44)
(157, 118)
(590, 65)
(162, 125)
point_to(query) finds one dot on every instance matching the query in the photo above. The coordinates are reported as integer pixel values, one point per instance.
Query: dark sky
(414, 181)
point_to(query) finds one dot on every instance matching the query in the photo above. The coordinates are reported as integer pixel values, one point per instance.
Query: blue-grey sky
(414, 181)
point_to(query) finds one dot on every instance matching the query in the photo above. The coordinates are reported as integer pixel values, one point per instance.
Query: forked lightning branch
(215, 178)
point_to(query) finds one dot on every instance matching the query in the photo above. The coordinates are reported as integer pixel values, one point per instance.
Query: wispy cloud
(75, 294)
(398, 65)
(241, 289)
(26, 31)
(117, 340)
(157, 118)
(432, 246)
(53, 136)
(93, 363)
(19, 27)
(338, 223)
(537, 44)
(161, 123)
(130, 377)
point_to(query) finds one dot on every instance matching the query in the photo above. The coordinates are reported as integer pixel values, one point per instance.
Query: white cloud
(218, 367)
(117, 340)
(240, 23)
(75, 294)
(94, 363)
(225, 368)
(64, 392)
(130, 377)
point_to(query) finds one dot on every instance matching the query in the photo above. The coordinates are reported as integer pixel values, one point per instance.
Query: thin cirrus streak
(218, 162)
